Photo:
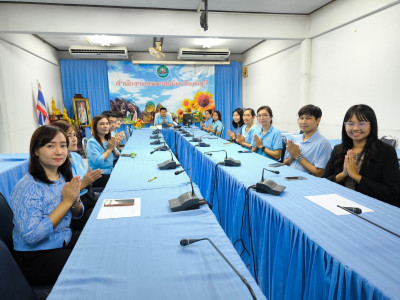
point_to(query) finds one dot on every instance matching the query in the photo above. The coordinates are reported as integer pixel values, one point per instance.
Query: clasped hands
(293, 149)
(350, 166)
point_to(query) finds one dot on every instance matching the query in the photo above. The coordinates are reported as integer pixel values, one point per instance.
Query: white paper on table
(114, 212)
(331, 201)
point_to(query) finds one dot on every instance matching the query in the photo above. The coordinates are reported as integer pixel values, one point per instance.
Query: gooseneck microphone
(273, 171)
(229, 162)
(185, 242)
(356, 211)
(191, 182)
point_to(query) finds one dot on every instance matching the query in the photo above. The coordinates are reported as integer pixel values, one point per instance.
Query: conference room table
(295, 248)
(12, 167)
(141, 257)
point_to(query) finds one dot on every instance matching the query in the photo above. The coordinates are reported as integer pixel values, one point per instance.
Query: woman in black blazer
(362, 162)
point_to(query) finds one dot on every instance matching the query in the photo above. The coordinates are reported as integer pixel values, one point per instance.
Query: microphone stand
(381, 227)
(186, 242)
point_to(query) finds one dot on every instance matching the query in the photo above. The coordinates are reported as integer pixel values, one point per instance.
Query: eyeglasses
(262, 116)
(361, 125)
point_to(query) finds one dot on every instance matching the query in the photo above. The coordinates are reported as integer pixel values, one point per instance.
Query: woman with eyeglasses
(244, 138)
(362, 162)
(267, 140)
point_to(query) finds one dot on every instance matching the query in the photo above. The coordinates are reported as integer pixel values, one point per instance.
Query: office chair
(13, 284)
(6, 223)
(84, 144)
(391, 140)
(284, 143)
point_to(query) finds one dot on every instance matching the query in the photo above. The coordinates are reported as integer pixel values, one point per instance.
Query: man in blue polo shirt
(310, 151)
(163, 119)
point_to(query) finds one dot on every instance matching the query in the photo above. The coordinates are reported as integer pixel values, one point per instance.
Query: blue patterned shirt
(32, 201)
(272, 140)
(95, 156)
(208, 122)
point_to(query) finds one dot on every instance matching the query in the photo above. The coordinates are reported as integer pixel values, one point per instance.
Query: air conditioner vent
(203, 54)
(99, 52)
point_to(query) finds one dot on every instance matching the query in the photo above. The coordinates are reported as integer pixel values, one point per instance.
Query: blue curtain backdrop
(90, 78)
(228, 91)
(86, 77)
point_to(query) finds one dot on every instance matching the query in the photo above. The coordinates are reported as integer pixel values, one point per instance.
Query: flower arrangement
(201, 102)
(137, 124)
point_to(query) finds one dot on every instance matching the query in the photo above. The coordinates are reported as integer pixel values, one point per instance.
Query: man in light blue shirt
(163, 119)
(310, 151)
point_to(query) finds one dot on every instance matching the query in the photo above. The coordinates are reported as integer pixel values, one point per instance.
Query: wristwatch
(263, 149)
(299, 158)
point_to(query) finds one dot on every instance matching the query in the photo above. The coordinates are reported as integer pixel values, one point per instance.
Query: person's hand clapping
(258, 141)
(231, 134)
(240, 139)
(293, 149)
(112, 143)
(91, 176)
(71, 190)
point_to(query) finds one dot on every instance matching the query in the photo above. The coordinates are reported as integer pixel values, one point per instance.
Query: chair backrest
(391, 140)
(222, 131)
(13, 284)
(6, 223)
(84, 144)
(158, 114)
(284, 143)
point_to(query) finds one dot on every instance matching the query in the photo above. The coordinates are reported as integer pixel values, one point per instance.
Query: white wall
(24, 60)
(359, 63)
(275, 81)
(351, 63)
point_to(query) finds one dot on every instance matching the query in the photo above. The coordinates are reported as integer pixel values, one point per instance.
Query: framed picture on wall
(82, 111)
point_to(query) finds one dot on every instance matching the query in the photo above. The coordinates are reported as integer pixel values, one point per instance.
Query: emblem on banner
(162, 71)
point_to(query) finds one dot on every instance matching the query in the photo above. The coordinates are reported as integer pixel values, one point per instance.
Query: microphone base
(202, 144)
(154, 137)
(269, 187)
(230, 162)
(155, 143)
(167, 165)
(186, 201)
(195, 140)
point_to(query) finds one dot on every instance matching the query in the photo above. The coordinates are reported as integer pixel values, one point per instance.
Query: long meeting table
(141, 257)
(295, 248)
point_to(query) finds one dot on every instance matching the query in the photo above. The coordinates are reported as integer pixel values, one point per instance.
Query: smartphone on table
(295, 178)
(119, 202)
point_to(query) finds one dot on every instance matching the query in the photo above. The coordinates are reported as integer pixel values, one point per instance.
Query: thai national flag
(41, 109)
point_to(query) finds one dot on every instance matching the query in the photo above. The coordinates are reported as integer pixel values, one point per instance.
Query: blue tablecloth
(12, 168)
(140, 257)
(299, 249)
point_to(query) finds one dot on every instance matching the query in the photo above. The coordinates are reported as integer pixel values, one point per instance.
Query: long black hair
(241, 122)
(42, 136)
(219, 116)
(96, 120)
(363, 113)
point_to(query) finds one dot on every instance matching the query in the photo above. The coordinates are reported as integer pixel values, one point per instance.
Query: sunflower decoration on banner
(201, 102)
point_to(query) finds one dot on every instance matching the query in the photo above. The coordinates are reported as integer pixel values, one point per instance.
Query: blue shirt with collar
(248, 136)
(208, 122)
(272, 140)
(316, 150)
(78, 168)
(32, 201)
(237, 130)
(217, 126)
(159, 120)
(94, 152)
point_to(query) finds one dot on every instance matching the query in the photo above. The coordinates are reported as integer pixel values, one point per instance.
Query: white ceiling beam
(36, 18)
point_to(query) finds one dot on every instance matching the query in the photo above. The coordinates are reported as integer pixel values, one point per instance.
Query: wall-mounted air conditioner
(99, 52)
(203, 54)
